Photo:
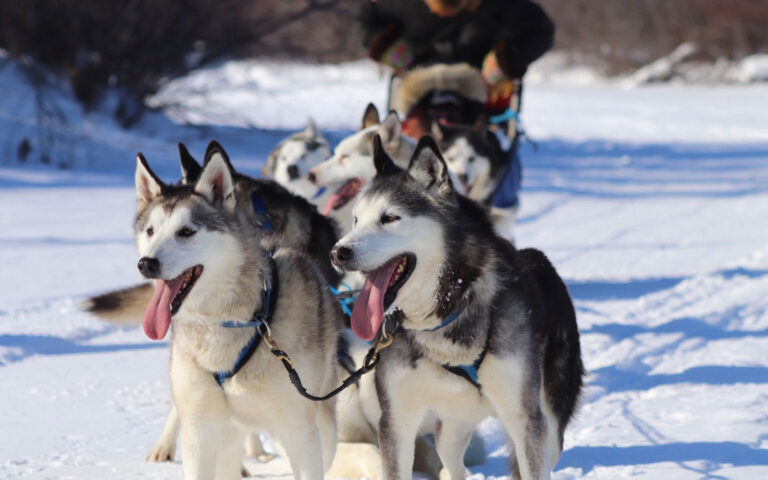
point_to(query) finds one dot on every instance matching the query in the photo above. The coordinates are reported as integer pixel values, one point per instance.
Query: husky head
(290, 162)
(351, 166)
(191, 239)
(405, 224)
(474, 157)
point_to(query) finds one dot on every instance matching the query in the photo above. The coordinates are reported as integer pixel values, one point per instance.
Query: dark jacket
(518, 30)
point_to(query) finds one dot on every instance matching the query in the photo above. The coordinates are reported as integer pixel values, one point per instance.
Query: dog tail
(124, 307)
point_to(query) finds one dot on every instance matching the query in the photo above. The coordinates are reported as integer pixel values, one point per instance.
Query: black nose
(463, 178)
(311, 177)
(149, 267)
(293, 172)
(341, 255)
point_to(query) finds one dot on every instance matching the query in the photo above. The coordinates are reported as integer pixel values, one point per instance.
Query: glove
(399, 56)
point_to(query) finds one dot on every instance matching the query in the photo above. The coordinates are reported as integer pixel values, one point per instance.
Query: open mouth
(166, 301)
(379, 291)
(343, 195)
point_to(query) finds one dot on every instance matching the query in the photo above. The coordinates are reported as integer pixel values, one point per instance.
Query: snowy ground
(651, 202)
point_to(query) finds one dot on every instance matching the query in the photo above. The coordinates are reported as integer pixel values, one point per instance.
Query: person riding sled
(498, 38)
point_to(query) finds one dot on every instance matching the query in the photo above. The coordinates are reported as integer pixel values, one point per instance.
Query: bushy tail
(125, 307)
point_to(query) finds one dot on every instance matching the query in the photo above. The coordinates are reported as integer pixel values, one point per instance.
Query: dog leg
(401, 415)
(300, 437)
(204, 416)
(165, 446)
(326, 423)
(515, 396)
(452, 438)
(255, 449)
(229, 462)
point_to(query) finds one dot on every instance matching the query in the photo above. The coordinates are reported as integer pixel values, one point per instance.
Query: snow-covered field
(651, 202)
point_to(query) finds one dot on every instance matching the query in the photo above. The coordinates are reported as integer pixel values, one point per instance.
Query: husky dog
(292, 158)
(203, 249)
(350, 166)
(479, 328)
(475, 157)
(294, 221)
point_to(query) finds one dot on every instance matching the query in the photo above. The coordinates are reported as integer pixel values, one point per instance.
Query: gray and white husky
(203, 249)
(479, 328)
(292, 159)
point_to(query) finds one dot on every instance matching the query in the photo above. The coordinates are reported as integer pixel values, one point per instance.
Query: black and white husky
(479, 328)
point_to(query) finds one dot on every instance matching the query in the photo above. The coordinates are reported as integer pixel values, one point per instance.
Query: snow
(651, 202)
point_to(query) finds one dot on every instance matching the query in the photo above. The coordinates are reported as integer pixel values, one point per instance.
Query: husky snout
(341, 256)
(149, 267)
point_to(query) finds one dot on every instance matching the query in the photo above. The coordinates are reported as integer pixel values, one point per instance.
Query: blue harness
(258, 321)
(467, 372)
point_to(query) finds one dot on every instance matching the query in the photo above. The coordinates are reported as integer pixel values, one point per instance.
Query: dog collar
(446, 321)
(260, 320)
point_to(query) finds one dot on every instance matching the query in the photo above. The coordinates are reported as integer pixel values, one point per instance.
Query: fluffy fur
(461, 78)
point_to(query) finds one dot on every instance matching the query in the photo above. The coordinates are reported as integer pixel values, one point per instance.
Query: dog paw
(161, 453)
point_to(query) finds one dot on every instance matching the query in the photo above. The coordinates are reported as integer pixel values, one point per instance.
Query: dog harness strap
(258, 321)
(319, 192)
(262, 214)
(447, 321)
(469, 372)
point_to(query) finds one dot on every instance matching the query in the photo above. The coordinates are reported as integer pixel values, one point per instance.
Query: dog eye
(471, 159)
(185, 232)
(387, 218)
(354, 220)
(150, 231)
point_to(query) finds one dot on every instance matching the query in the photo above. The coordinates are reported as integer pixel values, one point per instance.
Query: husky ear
(216, 182)
(310, 131)
(268, 170)
(429, 169)
(190, 169)
(148, 186)
(370, 117)
(390, 130)
(384, 165)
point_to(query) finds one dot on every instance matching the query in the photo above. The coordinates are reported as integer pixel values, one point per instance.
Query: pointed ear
(437, 132)
(148, 186)
(268, 170)
(190, 169)
(390, 130)
(370, 117)
(384, 165)
(216, 182)
(429, 169)
(310, 131)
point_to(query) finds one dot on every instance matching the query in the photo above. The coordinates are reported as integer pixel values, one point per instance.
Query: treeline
(136, 44)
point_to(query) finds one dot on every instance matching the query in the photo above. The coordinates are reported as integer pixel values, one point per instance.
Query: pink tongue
(157, 318)
(342, 195)
(369, 306)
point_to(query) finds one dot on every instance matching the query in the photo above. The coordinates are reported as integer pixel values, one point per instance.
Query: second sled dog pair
(451, 292)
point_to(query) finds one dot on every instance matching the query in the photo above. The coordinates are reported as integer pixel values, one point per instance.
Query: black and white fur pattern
(292, 159)
(513, 306)
(306, 324)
